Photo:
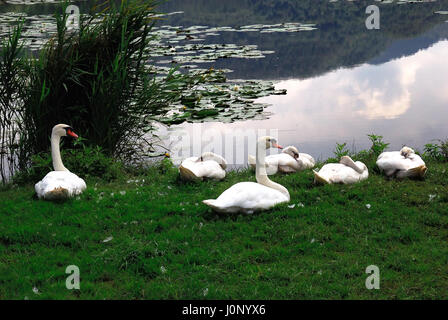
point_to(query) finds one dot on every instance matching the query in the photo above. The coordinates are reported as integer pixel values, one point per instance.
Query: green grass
(318, 251)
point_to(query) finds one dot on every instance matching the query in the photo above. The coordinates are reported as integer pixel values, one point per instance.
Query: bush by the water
(86, 161)
(369, 156)
(437, 151)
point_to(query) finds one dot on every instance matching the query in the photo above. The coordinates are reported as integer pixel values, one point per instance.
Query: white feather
(59, 180)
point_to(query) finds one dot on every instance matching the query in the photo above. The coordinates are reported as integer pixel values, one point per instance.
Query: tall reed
(95, 79)
(12, 84)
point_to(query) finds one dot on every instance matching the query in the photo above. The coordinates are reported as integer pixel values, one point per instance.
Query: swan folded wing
(211, 169)
(306, 161)
(248, 196)
(340, 173)
(204, 169)
(392, 161)
(285, 160)
(289, 164)
(60, 184)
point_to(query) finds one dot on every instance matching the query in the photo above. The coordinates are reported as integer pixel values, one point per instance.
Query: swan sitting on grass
(402, 164)
(209, 165)
(59, 184)
(346, 171)
(250, 197)
(289, 161)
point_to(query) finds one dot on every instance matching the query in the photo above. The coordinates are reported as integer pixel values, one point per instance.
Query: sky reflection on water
(405, 100)
(334, 94)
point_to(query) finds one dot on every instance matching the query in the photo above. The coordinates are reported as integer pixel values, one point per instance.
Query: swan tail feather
(57, 194)
(212, 204)
(419, 171)
(187, 174)
(319, 179)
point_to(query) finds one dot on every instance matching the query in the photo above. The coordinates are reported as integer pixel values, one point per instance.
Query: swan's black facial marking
(296, 155)
(70, 132)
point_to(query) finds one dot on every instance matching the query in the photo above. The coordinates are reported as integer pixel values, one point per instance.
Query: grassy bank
(150, 237)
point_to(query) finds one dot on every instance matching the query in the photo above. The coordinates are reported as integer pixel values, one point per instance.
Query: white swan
(249, 197)
(289, 161)
(346, 171)
(59, 184)
(402, 164)
(208, 165)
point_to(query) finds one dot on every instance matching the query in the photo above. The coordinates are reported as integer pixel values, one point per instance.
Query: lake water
(343, 80)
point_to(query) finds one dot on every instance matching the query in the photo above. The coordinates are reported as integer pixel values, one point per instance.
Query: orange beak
(277, 146)
(72, 134)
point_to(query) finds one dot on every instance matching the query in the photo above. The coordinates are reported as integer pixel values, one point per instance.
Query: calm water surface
(343, 81)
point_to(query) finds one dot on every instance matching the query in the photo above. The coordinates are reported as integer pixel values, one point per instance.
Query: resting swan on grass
(250, 197)
(59, 184)
(402, 164)
(289, 161)
(209, 165)
(346, 171)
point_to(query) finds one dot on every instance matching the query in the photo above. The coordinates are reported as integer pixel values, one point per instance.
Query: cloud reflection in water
(405, 100)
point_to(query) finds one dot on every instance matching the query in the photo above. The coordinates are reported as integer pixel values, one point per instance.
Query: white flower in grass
(205, 292)
(319, 272)
(122, 193)
(292, 206)
(163, 269)
(313, 240)
(368, 206)
(108, 239)
(301, 205)
(432, 197)
(112, 194)
(36, 291)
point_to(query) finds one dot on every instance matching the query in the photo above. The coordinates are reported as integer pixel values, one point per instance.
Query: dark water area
(343, 81)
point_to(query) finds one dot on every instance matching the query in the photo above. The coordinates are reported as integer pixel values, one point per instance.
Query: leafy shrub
(341, 150)
(438, 151)
(367, 156)
(84, 161)
(378, 145)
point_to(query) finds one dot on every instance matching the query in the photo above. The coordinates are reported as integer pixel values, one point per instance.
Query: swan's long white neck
(56, 153)
(260, 170)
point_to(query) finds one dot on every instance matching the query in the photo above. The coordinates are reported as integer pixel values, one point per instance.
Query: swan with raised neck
(260, 170)
(249, 197)
(59, 130)
(59, 184)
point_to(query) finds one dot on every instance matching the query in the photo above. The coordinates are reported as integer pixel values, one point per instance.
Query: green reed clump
(12, 84)
(95, 79)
